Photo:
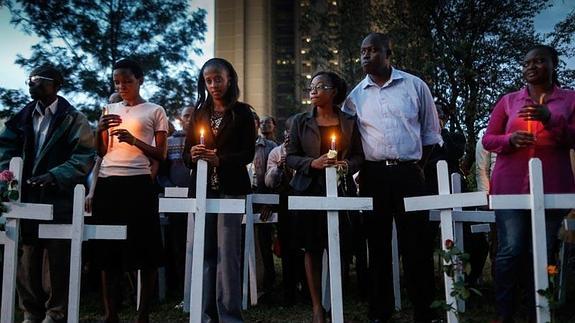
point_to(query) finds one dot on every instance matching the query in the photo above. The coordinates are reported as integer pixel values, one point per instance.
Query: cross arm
(465, 216)
(29, 211)
(329, 203)
(444, 202)
(188, 205)
(523, 201)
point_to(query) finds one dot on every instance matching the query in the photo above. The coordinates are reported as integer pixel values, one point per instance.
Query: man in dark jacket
(56, 143)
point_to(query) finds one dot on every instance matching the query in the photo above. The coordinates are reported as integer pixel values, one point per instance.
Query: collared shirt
(275, 174)
(41, 123)
(396, 119)
(552, 143)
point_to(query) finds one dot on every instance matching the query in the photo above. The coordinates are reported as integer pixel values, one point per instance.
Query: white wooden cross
(445, 202)
(199, 206)
(459, 217)
(249, 244)
(78, 232)
(332, 204)
(537, 202)
(10, 237)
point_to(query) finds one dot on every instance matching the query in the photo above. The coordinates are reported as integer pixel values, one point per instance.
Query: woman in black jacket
(228, 146)
(307, 152)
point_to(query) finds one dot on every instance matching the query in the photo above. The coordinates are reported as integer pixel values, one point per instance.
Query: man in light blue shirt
(398, 125)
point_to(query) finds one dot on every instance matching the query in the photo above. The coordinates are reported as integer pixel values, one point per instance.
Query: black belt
(392, 162)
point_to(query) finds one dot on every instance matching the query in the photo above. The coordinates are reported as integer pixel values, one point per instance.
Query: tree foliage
(563, 38)
(468, 51)
(84, 39)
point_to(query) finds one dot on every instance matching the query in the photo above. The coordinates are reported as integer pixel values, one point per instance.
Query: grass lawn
(479, 309)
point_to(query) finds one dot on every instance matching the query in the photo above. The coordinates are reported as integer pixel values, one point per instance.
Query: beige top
(142, 121)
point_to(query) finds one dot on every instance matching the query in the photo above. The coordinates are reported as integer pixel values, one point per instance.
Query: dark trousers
(42, 279)
(177, 232)
(292, 258)
(388, 185)
(266, 273)
(222, 292)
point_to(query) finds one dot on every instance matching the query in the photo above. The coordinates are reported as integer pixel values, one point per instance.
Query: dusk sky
(16, 42)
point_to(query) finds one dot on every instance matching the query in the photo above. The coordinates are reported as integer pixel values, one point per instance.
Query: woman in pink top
(536, 121)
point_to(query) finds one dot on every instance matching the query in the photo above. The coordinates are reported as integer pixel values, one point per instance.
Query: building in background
(276, 49)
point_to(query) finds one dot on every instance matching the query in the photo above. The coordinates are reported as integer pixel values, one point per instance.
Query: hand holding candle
(107, 123)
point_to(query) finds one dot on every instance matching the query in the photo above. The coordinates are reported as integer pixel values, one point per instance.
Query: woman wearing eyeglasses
(312, 136)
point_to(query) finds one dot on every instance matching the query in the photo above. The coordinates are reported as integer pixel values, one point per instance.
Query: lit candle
(332, 142)
(201, 136)
(105, 112)
(541, 102)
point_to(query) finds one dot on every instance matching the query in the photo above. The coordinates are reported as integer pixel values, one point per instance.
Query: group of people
(385, 130)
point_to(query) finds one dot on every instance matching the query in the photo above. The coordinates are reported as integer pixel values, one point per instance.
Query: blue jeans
(514, 259)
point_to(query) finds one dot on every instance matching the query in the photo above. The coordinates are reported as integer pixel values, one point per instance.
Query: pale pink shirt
(553, 142)
(142, 121)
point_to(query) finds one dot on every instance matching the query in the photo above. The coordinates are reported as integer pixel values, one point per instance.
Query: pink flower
(6, 176)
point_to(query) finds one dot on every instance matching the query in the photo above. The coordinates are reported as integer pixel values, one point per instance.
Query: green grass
(479, 309)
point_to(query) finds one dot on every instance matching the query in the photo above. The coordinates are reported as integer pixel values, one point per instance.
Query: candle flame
(332, 142)
(201, 136)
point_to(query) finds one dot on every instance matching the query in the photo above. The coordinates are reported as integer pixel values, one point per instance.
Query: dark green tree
(563, 38)
(11, 100)
(353, 24)
(84, 39)
(468, 51)
(477, 49)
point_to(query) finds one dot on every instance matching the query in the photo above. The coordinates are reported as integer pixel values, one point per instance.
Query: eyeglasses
(318, 88)
(37, 78)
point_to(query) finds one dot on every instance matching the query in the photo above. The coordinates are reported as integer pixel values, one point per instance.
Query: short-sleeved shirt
(142, 121)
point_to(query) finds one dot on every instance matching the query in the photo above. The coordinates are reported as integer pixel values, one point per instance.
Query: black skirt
(130, 201)
(309, 228)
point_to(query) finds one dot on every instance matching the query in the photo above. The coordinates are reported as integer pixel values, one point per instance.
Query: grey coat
(305, 144)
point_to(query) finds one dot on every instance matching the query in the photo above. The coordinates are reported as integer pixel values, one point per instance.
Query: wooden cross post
(78, 232)
(10, 237)
(249, 244)
(199, 206)
(332, 204)
(445, 202)
(537, 202)
(459, 217)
